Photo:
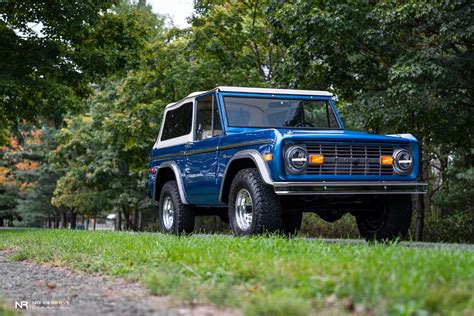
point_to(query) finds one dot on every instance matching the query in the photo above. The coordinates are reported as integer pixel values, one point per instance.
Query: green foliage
(455, 228)
(267, 275)
(8, 202)
(51, 52)
(103, 153)
(34, 203)
(314, 226)
(9, 191)
(236, 37)
(400, 64)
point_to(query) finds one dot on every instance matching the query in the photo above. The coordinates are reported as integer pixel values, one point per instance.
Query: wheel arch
(250, 158)
(167, 171)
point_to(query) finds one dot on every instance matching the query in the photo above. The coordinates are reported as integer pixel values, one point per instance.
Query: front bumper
(372, 187)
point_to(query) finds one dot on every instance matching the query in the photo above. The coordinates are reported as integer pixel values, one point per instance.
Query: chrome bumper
(372, 187)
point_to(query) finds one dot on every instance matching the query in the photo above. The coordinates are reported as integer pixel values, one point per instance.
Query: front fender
(259, 162)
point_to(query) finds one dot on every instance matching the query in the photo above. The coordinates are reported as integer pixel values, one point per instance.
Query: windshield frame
(329, 100)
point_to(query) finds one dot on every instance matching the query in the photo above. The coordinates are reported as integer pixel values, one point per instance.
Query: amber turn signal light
(316, 159)
(268, 157)
(386, 160)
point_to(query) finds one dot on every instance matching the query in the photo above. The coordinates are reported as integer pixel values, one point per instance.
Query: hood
(344, 135)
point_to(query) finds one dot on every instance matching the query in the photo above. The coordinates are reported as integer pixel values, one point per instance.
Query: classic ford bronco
(259, 158)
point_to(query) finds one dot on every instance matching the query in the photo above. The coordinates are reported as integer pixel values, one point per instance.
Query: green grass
(6, 310)
(265, 275)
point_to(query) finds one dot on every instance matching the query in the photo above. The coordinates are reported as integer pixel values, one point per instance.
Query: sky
(177, 9)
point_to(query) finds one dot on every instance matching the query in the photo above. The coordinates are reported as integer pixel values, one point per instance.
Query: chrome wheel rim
(244, 209)
(168, 213)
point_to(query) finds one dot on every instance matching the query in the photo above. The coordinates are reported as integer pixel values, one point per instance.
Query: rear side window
(178, 122)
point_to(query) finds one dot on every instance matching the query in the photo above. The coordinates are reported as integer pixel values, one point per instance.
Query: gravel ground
(84, 294)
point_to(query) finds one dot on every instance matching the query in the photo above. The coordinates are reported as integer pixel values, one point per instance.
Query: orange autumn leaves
(13, 163)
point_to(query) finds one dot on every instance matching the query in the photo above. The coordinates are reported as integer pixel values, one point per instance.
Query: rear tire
(174, 216)
(390, 220)
(291, 222)
(254, 208)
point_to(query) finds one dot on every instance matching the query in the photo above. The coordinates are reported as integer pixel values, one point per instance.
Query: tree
(237, 37)
(50, 53)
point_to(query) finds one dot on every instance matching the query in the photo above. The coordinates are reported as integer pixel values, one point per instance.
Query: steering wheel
(304, 124)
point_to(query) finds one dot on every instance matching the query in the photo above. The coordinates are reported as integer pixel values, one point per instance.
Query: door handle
(188, 145)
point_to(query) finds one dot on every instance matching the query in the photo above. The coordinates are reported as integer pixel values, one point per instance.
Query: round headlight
(296, 159)
(402, 161)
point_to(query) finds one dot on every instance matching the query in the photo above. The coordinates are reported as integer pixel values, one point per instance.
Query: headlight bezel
(298, 152)
(402, 161)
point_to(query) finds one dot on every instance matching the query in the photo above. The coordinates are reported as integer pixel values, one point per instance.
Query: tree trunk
(139, 224)
(56, 221)
(63, 219)
(94, 221)
(129, 224)
(126, 217)
(118, 220)
(420, 217)
(73, 219)
(420, 204)
(87, 223)
(135, 218)
(426, 174)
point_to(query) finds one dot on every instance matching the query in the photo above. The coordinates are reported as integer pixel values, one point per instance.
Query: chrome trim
(361, 187)
(179, 180)
(354, 158)
(243, 144)
(257, 159)
(167, 156)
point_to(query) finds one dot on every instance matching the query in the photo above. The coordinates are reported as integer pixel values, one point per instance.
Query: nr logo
(21, 304)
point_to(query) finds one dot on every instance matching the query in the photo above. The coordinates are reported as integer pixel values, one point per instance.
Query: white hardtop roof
(275, 91)
(259, 90)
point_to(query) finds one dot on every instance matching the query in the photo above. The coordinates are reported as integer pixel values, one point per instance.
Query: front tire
(390, 220)
(175, 217)
(254, 208)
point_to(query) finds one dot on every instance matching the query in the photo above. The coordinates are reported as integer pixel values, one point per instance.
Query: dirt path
(84, 294)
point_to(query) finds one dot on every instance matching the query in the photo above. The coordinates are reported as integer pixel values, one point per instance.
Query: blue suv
(259, 158)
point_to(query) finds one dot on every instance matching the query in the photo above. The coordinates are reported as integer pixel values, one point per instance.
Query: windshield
(279, 113)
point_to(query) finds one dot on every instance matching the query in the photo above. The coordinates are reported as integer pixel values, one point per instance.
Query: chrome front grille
(350, 159)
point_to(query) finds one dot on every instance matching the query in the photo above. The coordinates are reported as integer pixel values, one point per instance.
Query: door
(202, 155)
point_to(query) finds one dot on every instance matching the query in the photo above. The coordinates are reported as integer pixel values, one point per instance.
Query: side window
(207, 111)
(178, 122)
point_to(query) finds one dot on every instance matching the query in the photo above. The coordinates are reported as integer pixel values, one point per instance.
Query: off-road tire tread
(266, 203)
(184, 214)
(397, 220)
